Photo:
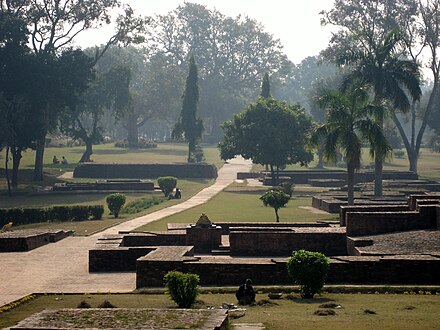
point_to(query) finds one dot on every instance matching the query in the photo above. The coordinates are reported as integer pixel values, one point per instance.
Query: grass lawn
(392, 311)
(428, 165)
(241, 203)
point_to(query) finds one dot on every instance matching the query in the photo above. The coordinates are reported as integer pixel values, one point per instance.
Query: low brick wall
(278, 242)
(26, 240)
(247, 175)
(116, 259)
(417, 269)
(372, 223)
(183, 170)
(369, 208)
(412, 200)
(154, 239)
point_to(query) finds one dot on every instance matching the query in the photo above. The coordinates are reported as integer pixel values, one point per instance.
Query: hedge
(24, 216)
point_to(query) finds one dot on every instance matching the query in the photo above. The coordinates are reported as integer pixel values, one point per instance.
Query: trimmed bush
(276, 199)
(96, 211)
(106, 304)
(83, 304)
(115, 202)
(308, 270)
(286, 187)
(182, 288)
(79, 213)
(167, 184)
(140, 205)
(59, 213)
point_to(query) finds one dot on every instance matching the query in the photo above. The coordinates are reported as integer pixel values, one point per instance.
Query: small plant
(167, 184)
(309, 270)
(106, 304)
(286, 187)
(182, 288)
(115, 202)
(141, 205)
(275, 199)
(83, 304)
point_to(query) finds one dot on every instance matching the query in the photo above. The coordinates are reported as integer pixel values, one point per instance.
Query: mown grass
(392, 311)
(241, 203)
(428, 165)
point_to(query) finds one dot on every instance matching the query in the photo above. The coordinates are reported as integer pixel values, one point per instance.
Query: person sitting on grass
(178, 194)
(55, 160)
(245, 293)
(64, 161)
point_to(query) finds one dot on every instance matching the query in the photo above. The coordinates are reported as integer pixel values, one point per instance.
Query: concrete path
(63, 266)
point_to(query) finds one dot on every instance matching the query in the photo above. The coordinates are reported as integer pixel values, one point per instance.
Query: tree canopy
(268, 132)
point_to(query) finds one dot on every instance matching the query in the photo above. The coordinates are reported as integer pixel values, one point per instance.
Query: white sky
(296, 23)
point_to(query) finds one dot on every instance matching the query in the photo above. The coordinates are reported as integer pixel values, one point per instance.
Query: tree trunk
(412, 149)
(7, 171)
(16, 157)
(88, 152)
(413, 158)
(277, 217)
(350, 183)
(378, 171)
(191, 147)
(39, 159)
(132, 131)
(272, 175)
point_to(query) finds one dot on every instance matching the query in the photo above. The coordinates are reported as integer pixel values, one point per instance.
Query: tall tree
(189, 125)
(369, 42)
(268, 132)
(231, 62)
(350, 121)
(265, 87)
(54, 25)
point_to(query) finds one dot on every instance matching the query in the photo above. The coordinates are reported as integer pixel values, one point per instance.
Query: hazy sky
(295, 23)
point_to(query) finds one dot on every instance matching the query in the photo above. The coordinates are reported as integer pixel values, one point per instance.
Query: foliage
(309, 270)
(141, 205)
(141, 144)
(350, 121)
(268, 132)
(434, 143)
(167, 184)
(265, 87)
(182, 288)
(188, 125)
(370, 44)
(286, 187)
(115, 202)
(83, 304)
(106, 304)
(24, 216)
(276, 199)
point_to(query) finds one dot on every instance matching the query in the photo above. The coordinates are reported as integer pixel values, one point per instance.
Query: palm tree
(350, 120)
(392, 78)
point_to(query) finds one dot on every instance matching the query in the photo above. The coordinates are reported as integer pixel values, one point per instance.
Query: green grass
(240, 203)
(393, 311)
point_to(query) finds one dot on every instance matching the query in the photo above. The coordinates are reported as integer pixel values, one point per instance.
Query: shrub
(286, 187)
(115, 202)
(140, 205)
(167, 184)
(79, 213)
(106, 304)
(275, 199)
(59, 213)
(32, 215)
(182, 288)
(83, 304)
(96, 211)
(309, 270)
(399, 153)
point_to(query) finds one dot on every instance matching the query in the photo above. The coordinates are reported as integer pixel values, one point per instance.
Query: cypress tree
(189, 126)
(265, 87)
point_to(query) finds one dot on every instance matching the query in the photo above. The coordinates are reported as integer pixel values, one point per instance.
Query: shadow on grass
(319, 300)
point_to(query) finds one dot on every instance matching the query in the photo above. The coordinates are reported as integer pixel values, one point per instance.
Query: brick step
(221, 251)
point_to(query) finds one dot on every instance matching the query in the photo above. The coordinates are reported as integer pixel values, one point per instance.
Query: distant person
(64, 161)
(55, 160)
(178, 194)
(245, 293)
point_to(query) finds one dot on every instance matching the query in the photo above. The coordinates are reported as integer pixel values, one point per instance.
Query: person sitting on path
(245, 293)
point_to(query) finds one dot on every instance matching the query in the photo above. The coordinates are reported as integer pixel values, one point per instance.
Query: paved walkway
(63, 266)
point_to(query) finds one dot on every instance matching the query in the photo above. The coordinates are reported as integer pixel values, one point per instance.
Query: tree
(349, 122)
(370, 44)
(265, 87)
(107, 91)
(276, 199)
(188, 125)
(268, 132)
(53, 26)
(231, 62)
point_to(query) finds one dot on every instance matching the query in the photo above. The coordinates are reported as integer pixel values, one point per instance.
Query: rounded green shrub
(182, 287)
(115, 202)
(167, 184)
(308, 270)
